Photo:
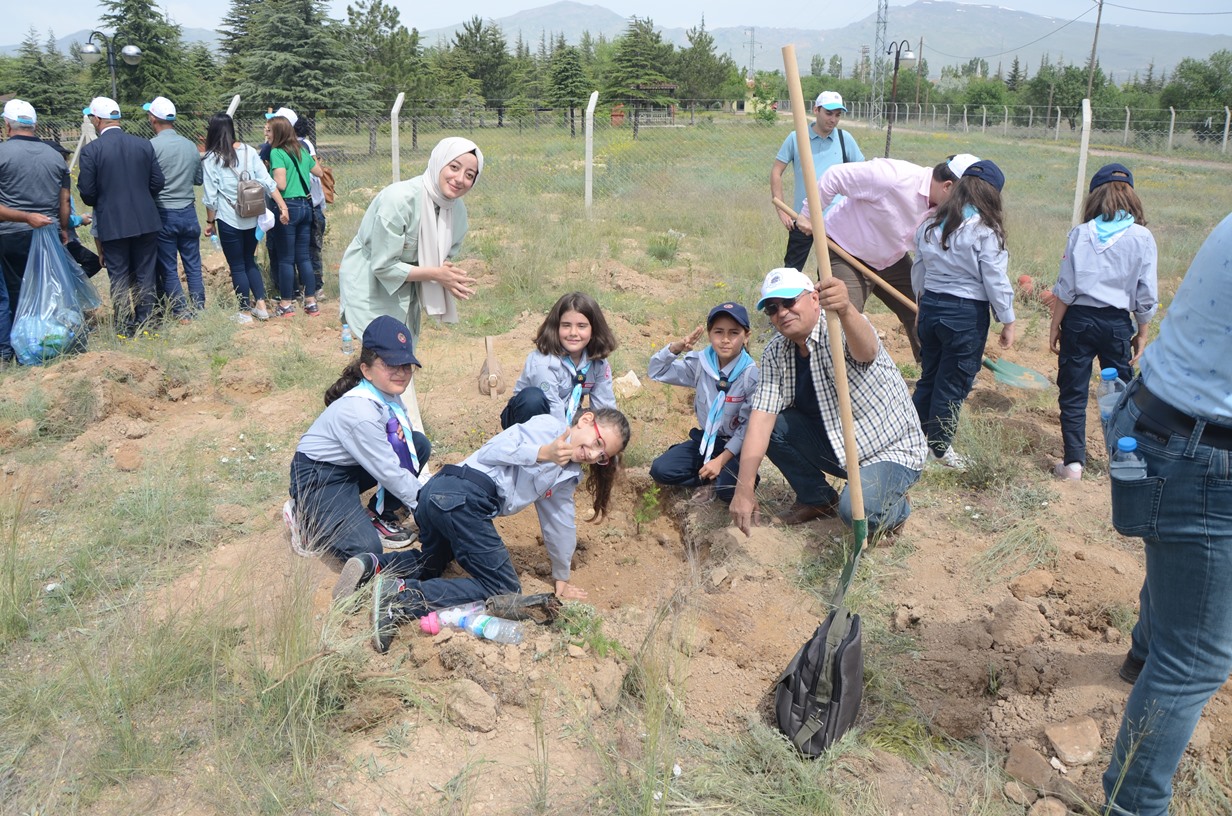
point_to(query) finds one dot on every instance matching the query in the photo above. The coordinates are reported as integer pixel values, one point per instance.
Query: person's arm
(860, 336)
(157, 179)
(994, 274)
(1065, 290)
(257, 171)
(87, 179)
(667, 366)
(776, 191)
(199, 173)
(743, 509)
(66, 210)
(34, 220)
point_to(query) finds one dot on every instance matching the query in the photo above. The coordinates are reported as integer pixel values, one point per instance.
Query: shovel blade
(1017, 376)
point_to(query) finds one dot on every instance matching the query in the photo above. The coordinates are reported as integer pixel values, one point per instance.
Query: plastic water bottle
(497, 630)
(433, 622)
(348, 341)
(215, 242)
(1127, 464)
(1108, 393)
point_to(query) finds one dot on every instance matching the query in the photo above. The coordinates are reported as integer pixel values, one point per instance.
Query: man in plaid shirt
(795, 417)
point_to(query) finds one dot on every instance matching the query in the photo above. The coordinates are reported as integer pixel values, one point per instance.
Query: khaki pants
(897, 274)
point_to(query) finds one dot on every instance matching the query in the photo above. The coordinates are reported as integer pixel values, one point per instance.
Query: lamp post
(903, 55)
(91, 53)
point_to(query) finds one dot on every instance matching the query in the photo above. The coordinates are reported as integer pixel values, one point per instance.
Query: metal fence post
(1057, 135)
(947, 117)
(1030, 116)
(233, 107)
(1005, 123)
(934, 116)
(1125, 140)
(983, 118)
(590, 148)
(1171, 126)
(966, 128)
(1227, 120)
(395, 158)
(1084, 145)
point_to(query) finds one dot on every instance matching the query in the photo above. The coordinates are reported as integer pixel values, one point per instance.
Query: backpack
(249, 194)
(327, 183)
(817, 698)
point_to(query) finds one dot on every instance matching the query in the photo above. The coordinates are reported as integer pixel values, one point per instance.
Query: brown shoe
(799, 513)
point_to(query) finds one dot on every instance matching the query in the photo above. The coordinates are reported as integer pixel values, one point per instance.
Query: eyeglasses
(403, 367)
(603, 457)
(772, 306)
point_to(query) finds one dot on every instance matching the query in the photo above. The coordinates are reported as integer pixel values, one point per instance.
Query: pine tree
(635, 74)
(163, 70)
(46, 79)
(480, 48)
(569, 84)
(699, 72)
(388, 54)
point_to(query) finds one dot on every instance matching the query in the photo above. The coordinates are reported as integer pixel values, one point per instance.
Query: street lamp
(903, 55)
(91, 53)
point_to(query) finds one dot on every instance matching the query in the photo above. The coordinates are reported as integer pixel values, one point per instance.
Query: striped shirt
(886, 424)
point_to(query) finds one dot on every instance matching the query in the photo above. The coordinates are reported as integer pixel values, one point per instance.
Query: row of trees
(276, 52)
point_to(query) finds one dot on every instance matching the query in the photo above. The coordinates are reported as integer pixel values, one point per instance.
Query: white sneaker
(1070, 473)
(949, 459)
(241, 318)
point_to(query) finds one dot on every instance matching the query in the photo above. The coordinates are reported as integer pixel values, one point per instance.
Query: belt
(475, 477)
(1179, 422)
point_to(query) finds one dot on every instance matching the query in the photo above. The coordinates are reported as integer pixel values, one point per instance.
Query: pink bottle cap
(430, 623)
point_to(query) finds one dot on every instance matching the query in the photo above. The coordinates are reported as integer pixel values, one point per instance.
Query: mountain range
(953, 34)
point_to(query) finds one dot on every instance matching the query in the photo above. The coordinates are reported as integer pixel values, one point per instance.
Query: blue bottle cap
(1126, 444)
(1107, 373)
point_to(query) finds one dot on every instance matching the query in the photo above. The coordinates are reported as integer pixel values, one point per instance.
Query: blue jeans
(1088, 332)
(800, 449)
(679, 464)
(1183, 512)
(455, 523)
(293, 249)
(953, 331)
(330, 516)
(181, 234)
(240, 249)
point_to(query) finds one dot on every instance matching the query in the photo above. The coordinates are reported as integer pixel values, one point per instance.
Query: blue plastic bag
(55, 293)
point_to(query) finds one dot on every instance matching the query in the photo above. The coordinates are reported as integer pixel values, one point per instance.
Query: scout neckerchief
(579, 379)
(397, 430)
(710, 364)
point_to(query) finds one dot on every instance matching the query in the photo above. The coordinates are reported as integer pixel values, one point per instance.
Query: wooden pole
(834, 331)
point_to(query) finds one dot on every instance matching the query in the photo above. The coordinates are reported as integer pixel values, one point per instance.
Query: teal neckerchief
(1107, 229)
(579, 379)
(369, 391)
(710, 363)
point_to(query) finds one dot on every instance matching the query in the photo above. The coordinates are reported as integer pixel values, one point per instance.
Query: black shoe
(386, 610)
(1131, 668)
(391, 531)
(356, 572)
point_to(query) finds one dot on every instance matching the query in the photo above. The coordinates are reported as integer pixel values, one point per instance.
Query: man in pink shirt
(884, 201)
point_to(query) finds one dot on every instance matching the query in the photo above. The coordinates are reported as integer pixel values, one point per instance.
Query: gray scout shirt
(351, 431)
(549, 373)
(689, 371)
(508, 459)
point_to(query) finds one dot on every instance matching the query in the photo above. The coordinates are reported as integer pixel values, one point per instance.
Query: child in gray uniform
(359, 442)
(540, 462)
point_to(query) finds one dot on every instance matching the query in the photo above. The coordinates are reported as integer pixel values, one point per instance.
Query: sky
(65, 16)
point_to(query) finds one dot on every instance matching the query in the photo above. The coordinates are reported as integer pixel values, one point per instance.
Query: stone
(1048, 807)
(1018, 793)
(626, 386)
(177, 393)
(136, 429)
(1075, 741)
(1034, 584)
(576, 650)
(1028, 766)
(1016, 625)
(127, 458)
(470, 707)
(718, 576)
(606, 684)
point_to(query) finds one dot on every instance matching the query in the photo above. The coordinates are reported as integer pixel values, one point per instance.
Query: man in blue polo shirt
(830, 146)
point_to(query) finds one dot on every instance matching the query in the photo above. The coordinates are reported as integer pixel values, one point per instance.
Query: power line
(1172, 13)
(1019, 47)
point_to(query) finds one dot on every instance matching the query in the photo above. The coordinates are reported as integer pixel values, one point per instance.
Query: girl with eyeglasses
(362, 440)
(538, 462)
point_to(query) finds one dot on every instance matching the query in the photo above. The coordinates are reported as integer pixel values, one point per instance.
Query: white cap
(285, 113)
(784, 282)
(20, 112)
(161, 108)
(959, 164)
(103, 107)
(830, 100)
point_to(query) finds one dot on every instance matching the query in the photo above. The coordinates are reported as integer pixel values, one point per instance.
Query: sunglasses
(603, 457)
(772, 306)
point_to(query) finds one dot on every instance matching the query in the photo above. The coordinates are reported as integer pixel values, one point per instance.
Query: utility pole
(1094, 41)
(752, 53)
(919, 69)
(879, 49)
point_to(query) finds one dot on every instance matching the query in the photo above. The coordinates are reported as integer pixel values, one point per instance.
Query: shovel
(491, 378)
(1005, 372)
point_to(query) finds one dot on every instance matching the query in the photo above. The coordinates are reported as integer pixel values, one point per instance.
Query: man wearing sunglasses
(880, 204)
(795, 416)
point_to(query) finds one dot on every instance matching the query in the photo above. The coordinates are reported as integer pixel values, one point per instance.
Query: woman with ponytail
(362, 440)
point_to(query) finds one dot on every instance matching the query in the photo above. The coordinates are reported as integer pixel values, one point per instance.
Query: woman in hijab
(398, 262)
